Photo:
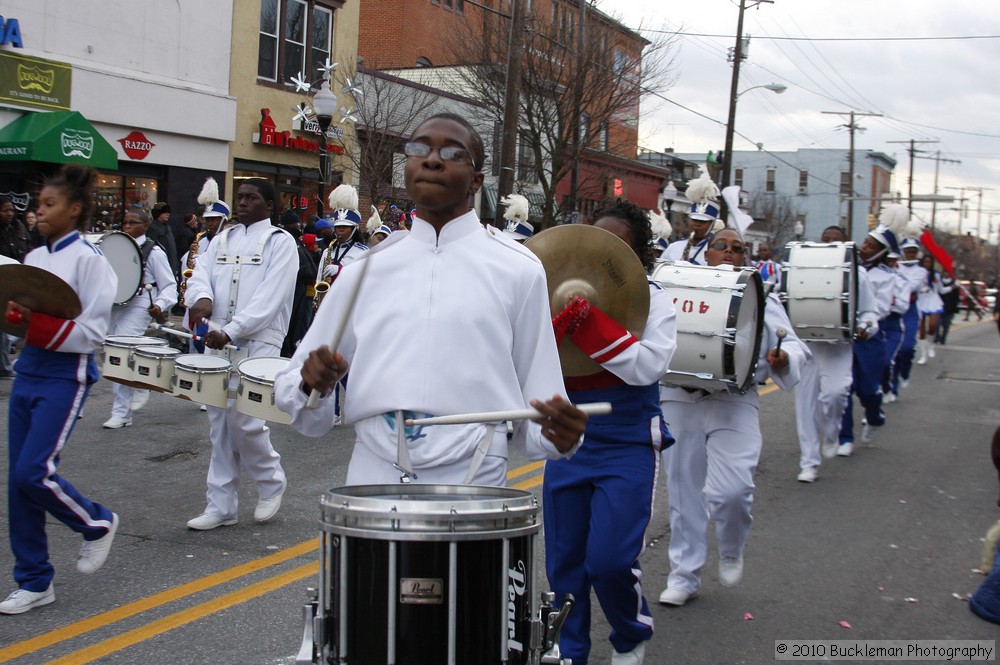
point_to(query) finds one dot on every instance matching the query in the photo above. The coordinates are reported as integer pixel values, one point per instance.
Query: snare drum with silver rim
(153, 366)
(819, 288)
(125, 257)
(118, 357)
(201, 378)
(255, 393)
(720, 323)
(425, 575)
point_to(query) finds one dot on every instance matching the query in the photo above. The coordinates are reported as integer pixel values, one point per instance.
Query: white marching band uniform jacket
(461, 324)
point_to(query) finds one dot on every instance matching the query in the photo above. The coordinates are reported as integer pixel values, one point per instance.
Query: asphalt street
(882, 546)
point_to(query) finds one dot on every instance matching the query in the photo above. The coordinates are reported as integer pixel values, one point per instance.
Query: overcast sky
(932, 89)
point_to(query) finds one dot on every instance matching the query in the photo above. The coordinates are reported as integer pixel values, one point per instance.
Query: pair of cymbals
(583, 260)
(38, 290)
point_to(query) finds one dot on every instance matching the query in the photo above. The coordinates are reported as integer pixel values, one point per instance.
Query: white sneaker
(23, 600)
(633, 657)
(267, 508)
(730, 570)
(829, 449)
(206, 522)
(807, 475)
(117, 423)
(845, 449)
(94, 553)
(930, 351)
(139, 399)
(889, 398)
(904, 383)
(868, 433)
(203, 408)
(675, 597)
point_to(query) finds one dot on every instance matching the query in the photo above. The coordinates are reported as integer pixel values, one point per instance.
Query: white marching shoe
(807, 475)
(22, 600)
(921, 352)
(730, 570)
(633, 657)
(676, 597)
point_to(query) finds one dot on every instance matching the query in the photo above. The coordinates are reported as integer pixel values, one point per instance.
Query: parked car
(978, 289)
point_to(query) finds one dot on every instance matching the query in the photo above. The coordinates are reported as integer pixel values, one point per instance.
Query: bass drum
(819, 288)
(720, 323)
(125, 257)
(425, 575)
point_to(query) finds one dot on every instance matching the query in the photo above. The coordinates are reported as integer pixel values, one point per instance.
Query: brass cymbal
(38, 290)
(596, 264)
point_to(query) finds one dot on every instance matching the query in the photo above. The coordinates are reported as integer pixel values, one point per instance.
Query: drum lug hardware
(545, 645)
(307, 650)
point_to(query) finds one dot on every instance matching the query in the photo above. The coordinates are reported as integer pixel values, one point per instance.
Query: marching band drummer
(597, 504)
(466, 329)
(158, 295)
(215, 215)
(711, 466)
(243, 286)
(704, 213)
(825, 383)
(914, 274)
(54, 373)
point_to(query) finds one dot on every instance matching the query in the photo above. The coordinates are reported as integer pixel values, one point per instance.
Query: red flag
(937, 252)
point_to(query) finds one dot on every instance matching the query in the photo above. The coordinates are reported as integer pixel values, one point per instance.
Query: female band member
(54, 374)
(710, 468)
(599, 502)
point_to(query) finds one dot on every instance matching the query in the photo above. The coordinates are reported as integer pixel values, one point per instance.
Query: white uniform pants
(709, 474)
(820, 398)
(126, 320)
(239, 441)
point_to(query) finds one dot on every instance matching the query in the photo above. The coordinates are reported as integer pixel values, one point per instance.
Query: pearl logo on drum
(516, 587)
(421, 591)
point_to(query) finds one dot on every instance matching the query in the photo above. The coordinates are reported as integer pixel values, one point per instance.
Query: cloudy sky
(922, 64)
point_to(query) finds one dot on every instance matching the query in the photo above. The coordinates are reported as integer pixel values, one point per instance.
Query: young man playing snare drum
(461, 324)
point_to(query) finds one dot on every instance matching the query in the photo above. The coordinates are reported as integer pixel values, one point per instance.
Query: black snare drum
(426, 575)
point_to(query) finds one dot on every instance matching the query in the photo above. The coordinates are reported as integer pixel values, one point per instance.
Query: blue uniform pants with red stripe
(43, 412)
(869, 356)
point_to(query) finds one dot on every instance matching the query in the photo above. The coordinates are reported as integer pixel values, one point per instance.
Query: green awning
(58, 137)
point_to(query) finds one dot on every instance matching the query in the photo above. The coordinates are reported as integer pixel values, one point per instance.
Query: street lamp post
(727, 156)
(325, 104)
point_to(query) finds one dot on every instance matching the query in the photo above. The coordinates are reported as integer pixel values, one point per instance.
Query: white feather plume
(374, 221)
(894, 217)
(702, 189)
(344, 197)
(913, 230)
(517, 207)
(209, 192)
(660, 225)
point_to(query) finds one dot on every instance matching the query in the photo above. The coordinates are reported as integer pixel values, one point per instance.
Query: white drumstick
(181, 333)
(593, 409)
(352, 297)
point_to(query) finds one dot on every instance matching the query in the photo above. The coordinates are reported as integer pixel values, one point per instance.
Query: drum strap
(480, 454)
(403, 464)
(237, 263)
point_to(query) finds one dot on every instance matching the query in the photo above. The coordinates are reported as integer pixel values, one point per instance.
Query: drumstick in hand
(780, 333)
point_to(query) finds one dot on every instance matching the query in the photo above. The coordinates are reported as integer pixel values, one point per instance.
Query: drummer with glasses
(157, 295)
(711, 466)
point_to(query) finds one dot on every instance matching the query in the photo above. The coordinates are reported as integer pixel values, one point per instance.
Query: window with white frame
(738, 177)
(803, 182)
(769, 182)
(295, 36)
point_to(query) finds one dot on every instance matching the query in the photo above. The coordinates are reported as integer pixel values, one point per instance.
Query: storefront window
(115, 194)
(294, 192)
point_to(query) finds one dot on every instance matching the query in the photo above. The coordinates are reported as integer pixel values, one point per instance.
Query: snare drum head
(749, 330)
(126, 341)
(156, 351)
(198, 362)
(262, 370)
(125, 258)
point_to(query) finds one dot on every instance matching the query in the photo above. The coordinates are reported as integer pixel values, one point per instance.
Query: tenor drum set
(148, 363)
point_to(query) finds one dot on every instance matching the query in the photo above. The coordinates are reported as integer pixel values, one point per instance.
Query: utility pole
(852, 127)
(979, 208)
(961, 206)
(937, 168)
(738, 56)
(574, 183)
(512, 102)
(913, 153)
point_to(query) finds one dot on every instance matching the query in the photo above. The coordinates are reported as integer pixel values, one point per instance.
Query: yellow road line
(527, 468)
(529, 483)
(150, 630)
(99, 621)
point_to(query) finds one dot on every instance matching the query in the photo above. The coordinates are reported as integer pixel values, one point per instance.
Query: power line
(829, 39)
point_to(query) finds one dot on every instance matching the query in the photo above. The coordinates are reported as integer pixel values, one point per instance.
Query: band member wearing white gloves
(822, 392)
(158, 295)
(599, 502)
(243, 285)
(711, 466)
(465, 328)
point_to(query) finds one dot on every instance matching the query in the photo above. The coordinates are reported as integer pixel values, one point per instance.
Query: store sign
(269, 135)
(299, 202)
(76, 143)
(34, 82)
(136, 145)
(19, 199)
(10, 32)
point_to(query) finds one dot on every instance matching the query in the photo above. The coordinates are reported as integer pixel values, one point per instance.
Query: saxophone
(323, 285)
(189, 268)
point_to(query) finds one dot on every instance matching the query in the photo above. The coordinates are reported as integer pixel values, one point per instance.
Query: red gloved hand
(14, 317)
(571, 318)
